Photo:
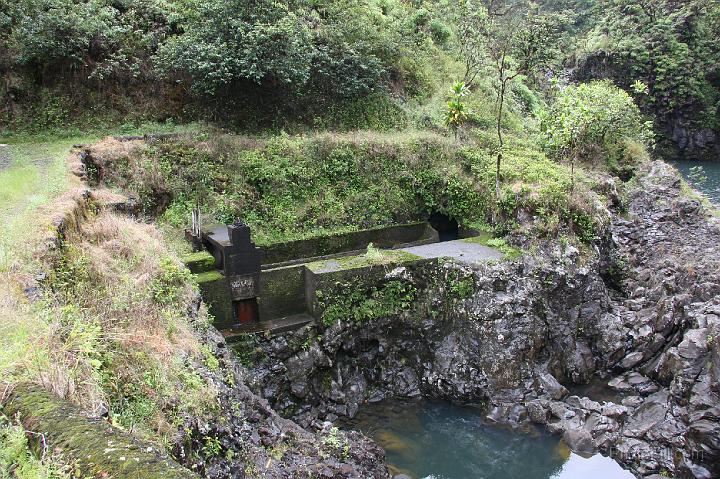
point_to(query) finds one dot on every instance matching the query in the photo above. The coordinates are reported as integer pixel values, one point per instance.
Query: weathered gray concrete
(273, 326)
(460, 250)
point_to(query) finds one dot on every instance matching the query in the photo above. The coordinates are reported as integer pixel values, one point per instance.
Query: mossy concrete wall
(215, 291)
(283, 289)
(199, 262)
(368, 276)
(92, 446)
(282, 292)
(382, 237)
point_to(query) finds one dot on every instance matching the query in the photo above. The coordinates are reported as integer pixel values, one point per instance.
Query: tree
(519, 40)
(472, 17)
(592, 121)
(95, 39)
(455, 115)
(223, 42)
(667, 44)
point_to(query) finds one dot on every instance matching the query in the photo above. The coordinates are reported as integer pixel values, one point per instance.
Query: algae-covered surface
(94, 447)
(374, 258)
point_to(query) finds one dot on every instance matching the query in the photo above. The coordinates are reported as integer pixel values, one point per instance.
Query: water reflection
(711, 169)
(438, 440)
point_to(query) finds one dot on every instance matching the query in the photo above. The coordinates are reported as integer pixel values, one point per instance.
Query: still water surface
(711, 187)
(437, 440)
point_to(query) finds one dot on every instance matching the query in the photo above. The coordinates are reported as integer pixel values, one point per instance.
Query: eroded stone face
(534, 326)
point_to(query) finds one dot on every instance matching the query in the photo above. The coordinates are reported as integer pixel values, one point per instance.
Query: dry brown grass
(100, 332)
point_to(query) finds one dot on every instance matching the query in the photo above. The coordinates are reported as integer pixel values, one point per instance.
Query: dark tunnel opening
(447, 227)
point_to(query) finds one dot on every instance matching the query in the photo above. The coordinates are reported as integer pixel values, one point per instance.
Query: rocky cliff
(639, 312)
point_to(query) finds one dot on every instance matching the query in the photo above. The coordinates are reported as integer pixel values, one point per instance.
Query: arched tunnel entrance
(446, 226)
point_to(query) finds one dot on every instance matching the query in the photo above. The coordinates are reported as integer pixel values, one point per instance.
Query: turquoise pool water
(437, 440)
(711, 187)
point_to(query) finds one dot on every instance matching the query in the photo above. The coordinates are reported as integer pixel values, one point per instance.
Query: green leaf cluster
(593, 121)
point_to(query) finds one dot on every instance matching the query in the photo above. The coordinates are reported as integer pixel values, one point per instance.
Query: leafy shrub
(352, 302)
(440, 32)
(228, 41)
(593, 121)
(374, 112)
(18, 461)
(170, 284)
(461, 288)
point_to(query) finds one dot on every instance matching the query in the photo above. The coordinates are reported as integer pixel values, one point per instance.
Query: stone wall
(382, 237)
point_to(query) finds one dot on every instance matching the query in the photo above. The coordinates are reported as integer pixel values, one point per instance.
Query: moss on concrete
(215, 291)
(209, 277)
(362, 261)
(282, 292)
(510, 252)
(383, 237)
(92, 446)
(200, 262)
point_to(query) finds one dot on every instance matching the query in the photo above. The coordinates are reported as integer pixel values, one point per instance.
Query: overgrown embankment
(115, 325)
(89, 447)
(290, 187)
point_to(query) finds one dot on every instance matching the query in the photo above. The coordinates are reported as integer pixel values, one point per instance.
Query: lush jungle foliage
(339, 63)
(597, 122)
(669, 45)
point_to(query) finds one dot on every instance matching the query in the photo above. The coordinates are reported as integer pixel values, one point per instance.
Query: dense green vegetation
(290, 187)
(17, 460)
(370, 64)
(303, 117)
(596, 122)
(670, 46)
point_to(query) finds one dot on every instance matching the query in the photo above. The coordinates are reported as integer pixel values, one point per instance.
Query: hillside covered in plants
(538, 128)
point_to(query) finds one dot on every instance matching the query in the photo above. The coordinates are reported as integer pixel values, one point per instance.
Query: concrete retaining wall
(382, 237)
(282, 292)
(369, 276)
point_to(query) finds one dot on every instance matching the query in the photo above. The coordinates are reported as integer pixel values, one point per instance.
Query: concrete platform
(465, 251)
(273, 326)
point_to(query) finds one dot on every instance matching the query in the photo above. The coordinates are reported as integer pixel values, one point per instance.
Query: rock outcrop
(641, 314)
(247, 438)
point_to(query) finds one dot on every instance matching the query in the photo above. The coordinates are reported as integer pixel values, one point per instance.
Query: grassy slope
(36, 176)
(51, 342)
(290, 187)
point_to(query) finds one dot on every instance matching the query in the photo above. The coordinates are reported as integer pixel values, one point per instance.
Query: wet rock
(613, 410)
(579, 440)
(537, 411)
(632, 401)
(552, 387)
(632, 359)
(694, 344)
(653, 411)
(620, 384)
